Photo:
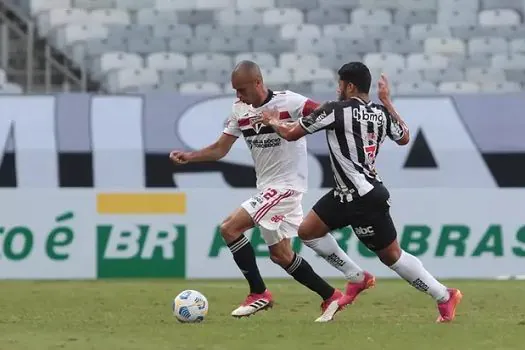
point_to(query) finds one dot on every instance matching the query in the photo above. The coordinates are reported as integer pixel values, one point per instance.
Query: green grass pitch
(136, 314)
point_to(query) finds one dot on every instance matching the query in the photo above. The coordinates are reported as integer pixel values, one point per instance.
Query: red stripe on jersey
(309, 107)
(244, 121)
(284, 115)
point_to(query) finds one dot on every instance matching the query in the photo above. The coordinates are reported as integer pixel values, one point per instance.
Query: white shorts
(277, 212)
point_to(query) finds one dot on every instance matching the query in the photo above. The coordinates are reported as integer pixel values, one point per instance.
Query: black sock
(244, 256)
(303, 273)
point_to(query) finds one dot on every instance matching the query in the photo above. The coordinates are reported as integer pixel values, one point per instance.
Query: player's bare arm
(319, 119)
(213, 152)
(383, 92)
(290, 131)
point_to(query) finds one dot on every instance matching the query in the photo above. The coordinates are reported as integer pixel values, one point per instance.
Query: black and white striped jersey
(355, 131)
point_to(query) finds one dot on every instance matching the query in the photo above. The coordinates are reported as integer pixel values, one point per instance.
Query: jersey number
(269, 194)
(371, 153)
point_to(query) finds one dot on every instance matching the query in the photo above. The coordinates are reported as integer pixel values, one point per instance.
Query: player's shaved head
(248, 82)
(246, 70)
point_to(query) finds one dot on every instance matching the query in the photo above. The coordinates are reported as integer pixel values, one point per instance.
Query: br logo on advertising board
(144, 246)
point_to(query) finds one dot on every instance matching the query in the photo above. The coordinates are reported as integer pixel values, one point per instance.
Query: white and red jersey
(279, 163)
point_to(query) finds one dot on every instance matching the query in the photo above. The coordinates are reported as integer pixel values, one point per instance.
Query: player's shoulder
(380, 107)
(288, 99)
(329, 106)
(289, 95)
(351, 102)
(239, 108)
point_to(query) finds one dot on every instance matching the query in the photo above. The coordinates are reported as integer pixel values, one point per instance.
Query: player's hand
(383, 90)
(179, 157)
(269, 115)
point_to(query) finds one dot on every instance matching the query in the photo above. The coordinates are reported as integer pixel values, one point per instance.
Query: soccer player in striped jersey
(355, 129)
(281, 171)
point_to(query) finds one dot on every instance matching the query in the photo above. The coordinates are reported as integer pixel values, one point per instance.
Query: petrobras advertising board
(455, 233)
(47, 235)
(84, 234)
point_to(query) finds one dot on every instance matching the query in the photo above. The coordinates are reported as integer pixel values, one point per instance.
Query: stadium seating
(6, 87)
(426, 46)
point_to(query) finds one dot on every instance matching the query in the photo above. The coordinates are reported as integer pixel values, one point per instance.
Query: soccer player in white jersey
(355, 129)
(281, 171)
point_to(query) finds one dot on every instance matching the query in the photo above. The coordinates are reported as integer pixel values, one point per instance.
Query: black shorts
(369, 216)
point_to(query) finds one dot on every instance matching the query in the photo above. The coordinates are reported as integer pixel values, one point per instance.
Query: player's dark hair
(358, 74)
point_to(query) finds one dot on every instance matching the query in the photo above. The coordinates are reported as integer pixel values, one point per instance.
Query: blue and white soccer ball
(190, 306)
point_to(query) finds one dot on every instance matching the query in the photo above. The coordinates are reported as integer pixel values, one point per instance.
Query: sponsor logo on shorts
(364, 231)
(277, 218)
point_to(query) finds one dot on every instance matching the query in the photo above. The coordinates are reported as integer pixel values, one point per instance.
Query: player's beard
(342, 93)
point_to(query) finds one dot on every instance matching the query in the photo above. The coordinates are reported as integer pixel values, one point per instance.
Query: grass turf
(136, 314)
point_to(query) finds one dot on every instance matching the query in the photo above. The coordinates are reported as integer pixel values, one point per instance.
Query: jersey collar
(363, 102)
(271, 94)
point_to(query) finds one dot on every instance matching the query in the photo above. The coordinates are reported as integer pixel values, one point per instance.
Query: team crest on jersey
(256, 123)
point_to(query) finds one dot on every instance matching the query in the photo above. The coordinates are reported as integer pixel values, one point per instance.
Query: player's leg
(375, 228)
(232, 231)
(315, 234)
(412, 270)
(281, 253)
(328, 214)
(277, 225)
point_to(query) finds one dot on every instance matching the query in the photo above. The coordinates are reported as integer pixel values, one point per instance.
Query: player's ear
(351, 89)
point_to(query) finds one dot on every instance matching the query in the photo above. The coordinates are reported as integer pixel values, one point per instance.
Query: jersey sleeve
(320, 119)
(231, 125)
(393, 130)
(299, 105)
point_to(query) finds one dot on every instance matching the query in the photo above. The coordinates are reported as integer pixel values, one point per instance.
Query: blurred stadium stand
(190, 46)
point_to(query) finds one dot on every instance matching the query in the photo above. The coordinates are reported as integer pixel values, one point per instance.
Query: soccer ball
(190, 306)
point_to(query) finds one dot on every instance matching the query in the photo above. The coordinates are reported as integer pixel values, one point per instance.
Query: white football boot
(253, 304)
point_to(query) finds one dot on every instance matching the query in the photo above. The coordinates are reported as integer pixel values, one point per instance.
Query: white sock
(328, 249)
(412, 270)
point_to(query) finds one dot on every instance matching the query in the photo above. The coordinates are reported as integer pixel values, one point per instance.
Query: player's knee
(282, 253)
(281, 258)
(390, 255)
(228, 231)
(305, 233)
